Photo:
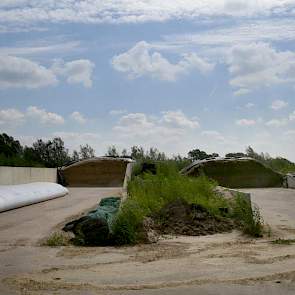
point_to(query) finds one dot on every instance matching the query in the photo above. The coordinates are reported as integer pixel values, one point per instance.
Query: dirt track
(217, 264)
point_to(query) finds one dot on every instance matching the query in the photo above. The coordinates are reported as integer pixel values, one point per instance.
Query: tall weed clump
(248, 217)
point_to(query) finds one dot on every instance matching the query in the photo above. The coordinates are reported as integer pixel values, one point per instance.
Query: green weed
(283, 241)
(248, 217)
(57, 239)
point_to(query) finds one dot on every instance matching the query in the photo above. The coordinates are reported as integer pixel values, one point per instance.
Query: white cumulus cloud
(43, 116)
(246, 122)
(21, 72)
(16, 72)
(141, 60)
(292, 116)
(11, 117)
(78, 117)
(277, 122)
(77, 71)
(259, 65)
(278, 104)
(179, 119)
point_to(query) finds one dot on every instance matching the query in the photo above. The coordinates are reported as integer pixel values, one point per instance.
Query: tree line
(53, 153)
(50, 153)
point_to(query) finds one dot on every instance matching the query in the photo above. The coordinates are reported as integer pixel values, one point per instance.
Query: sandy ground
(217, 264)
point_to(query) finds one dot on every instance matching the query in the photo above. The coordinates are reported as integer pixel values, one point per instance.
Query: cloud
(259, 65)
(249, 105)
(16, 72)
(213, 134)
(241, 92)
(141, 128)
(292, 116)
(117, 112)
(15, 117)
(246, 122)
(277, 122)
(290, 134)
(179, 119)
(249, 31)
(77, 71)
(11, 117)
(141, 60)
(132, 11)
(43, 116)
(21, 72)
(78, 117)
(278, 104)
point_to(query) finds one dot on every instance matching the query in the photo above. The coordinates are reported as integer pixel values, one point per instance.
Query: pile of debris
(182, 218)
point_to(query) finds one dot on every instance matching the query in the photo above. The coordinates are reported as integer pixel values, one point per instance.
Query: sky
(217, 75)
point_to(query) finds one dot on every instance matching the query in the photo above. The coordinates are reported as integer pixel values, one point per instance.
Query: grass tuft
(248, 217)
(283, 241)
(57, 239)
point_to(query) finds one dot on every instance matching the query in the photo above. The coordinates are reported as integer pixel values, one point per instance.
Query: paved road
(219, 264)
(27, 225)
(277, 207)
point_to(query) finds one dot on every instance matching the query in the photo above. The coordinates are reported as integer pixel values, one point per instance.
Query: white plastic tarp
(14, 196)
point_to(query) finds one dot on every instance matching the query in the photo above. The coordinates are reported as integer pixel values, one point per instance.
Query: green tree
(51, 153)
(75, 156)
(86, 152)
(112, 152)
(9, 146)
(197, 154)
(137, 152)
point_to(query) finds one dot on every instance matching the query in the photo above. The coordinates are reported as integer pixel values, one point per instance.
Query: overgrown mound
(165, 203)
(181, 218)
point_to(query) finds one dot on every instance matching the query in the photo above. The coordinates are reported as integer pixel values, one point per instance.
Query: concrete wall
(290, 180)
(21, 175)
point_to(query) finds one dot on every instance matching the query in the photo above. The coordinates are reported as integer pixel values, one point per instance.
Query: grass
(57, 239)
(283, 241)
(248, 217)
(148, 193)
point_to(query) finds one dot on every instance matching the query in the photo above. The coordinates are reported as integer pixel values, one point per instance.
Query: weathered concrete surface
(218, 264)
(21, 175)
(26, 225)
(291, 180)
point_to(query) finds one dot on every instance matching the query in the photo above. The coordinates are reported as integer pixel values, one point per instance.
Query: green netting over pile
(94, 229)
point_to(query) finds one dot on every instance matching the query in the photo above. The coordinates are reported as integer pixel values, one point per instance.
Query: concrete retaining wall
(291, 180)
(21, 175)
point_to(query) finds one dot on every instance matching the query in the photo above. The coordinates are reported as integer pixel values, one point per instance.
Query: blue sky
(215, 75)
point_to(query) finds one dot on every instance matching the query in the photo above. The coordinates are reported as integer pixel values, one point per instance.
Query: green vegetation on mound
(149, 193)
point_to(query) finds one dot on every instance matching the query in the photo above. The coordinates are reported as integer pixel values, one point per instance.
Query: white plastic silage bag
(14, 196)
